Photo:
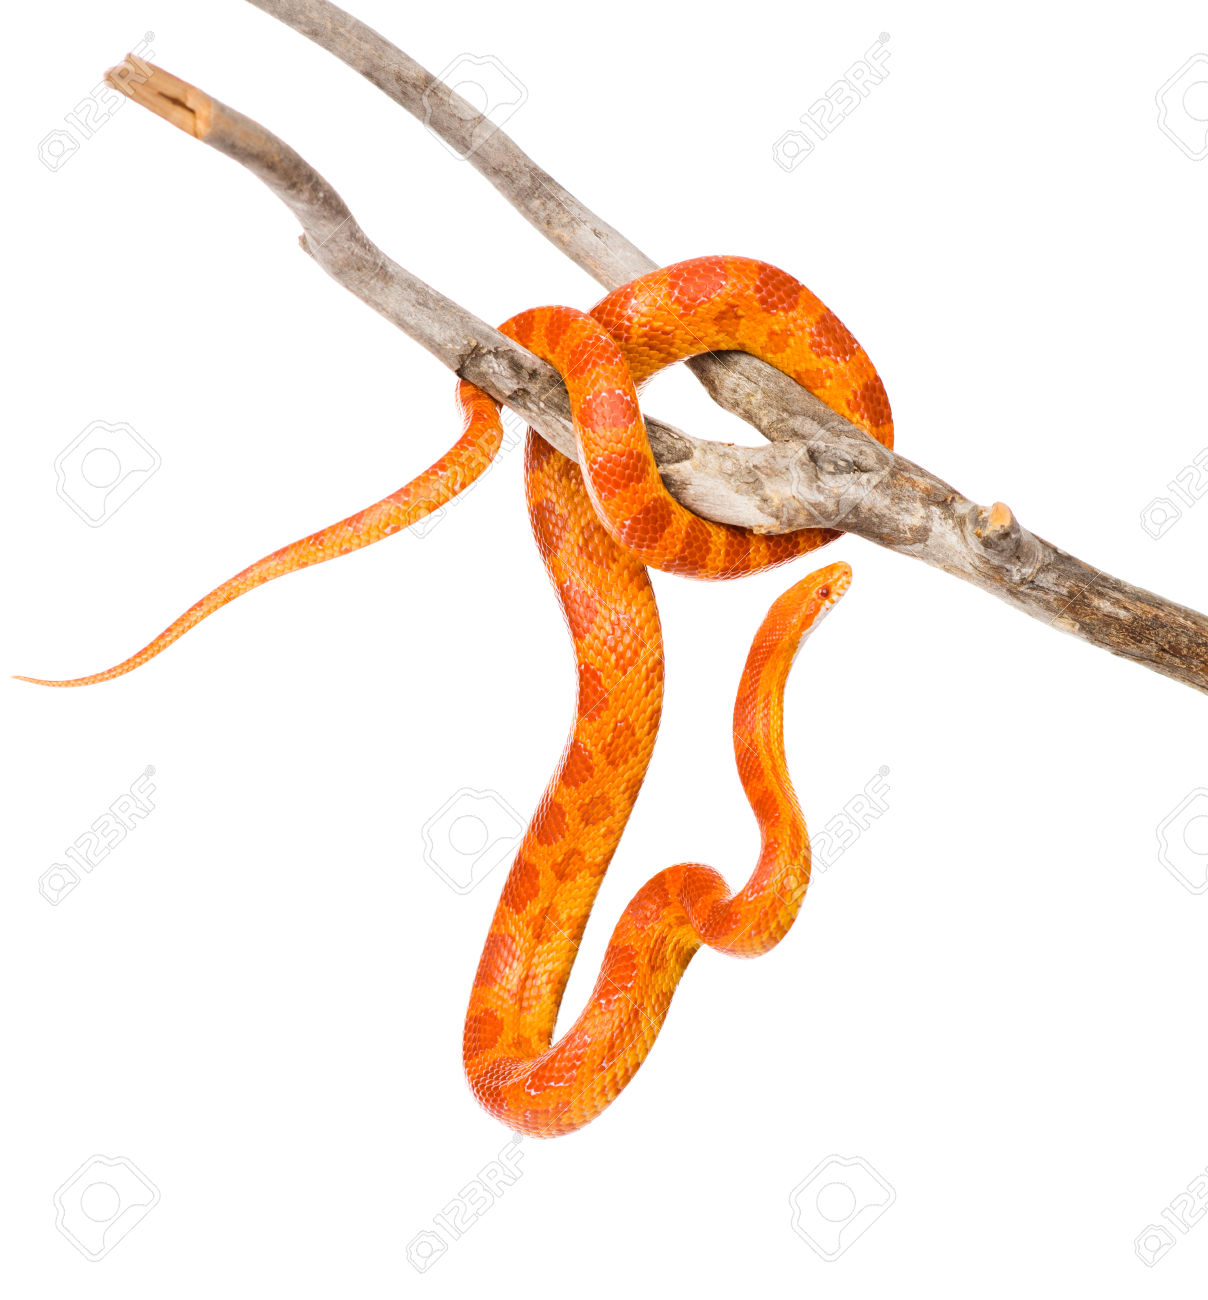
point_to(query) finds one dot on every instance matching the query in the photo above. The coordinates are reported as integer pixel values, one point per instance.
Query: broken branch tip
(176, 101)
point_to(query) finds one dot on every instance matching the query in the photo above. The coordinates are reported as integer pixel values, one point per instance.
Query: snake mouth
(832, 584)
(816, 596)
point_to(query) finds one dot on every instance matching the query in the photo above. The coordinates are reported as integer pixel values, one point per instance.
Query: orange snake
(597, 529)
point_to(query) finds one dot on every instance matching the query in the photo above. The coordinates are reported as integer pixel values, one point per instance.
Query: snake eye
(824, 592)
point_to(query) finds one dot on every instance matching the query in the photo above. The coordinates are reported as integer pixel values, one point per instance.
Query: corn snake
(597, 530)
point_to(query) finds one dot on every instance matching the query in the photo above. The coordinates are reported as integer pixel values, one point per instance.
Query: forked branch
(817, 468)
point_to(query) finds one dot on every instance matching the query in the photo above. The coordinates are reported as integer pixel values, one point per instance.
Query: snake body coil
(598, 526)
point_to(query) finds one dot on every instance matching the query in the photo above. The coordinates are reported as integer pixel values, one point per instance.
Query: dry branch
(818, 468)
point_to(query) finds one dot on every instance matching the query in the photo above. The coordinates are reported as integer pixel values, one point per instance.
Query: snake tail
(464, 462)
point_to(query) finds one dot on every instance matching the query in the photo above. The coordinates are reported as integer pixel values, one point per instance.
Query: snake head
(799, 611)
(791, 619)
(818, 593)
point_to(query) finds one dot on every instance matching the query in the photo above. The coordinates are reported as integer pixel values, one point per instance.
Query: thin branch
(603, 252)
(731, 378)
(818, 469)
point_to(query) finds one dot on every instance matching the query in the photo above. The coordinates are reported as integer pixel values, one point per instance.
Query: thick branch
(819, 469)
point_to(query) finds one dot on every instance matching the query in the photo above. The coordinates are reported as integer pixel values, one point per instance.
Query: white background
(995, 997)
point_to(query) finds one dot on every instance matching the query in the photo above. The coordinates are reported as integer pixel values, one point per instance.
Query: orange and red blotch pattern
(597, 529)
